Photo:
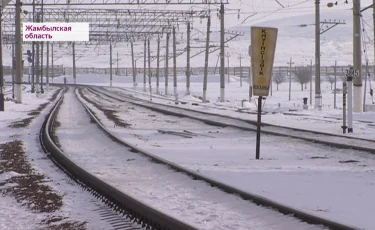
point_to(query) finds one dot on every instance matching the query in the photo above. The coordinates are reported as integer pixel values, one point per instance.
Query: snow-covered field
(21, 209)
(333, 183)
(173, 193)
(316, 174)
(280, 110)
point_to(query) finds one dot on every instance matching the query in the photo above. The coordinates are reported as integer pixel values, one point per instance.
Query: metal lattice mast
(188, 60)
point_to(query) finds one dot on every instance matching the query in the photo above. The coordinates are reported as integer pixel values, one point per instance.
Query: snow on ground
(174, 193)
(297, 172)
(338, 181)
(12, 216)
(280, 110)
(77, 205)
(325, 181)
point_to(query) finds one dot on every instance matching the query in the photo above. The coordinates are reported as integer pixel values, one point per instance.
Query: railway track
(136, 214)
(338, 141)
(218, 106)
(199, 104)
(180, 100)
(9, 91)
(247, 196)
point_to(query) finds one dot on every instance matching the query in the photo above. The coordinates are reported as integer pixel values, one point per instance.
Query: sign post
(344, 89)
(350, 74)
(263, 44)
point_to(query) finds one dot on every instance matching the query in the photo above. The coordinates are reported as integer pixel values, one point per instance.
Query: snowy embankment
(35, 194)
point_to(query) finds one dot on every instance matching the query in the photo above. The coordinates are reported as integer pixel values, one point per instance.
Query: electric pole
(364, 91)
(222, 50)
(157, 66)
(52, 66)
(188, 60)
(166, 70)
(74, 63)
(240, 58)
(18, 49)
(334, 95)
(33, 57)
(149, 66)
(47, 70)
(290, 78)
(42, 51)
(318, 93)
(37, 67)
(117, 71)
(144, 65)
(373, 18)
(228, 56)
(175, 66)
(205, 75)
(13, 68)
(37, 62)
(311, 70)
(133, 66)
(41, 66)
(357, 62)
(110, 64)
(1, 63)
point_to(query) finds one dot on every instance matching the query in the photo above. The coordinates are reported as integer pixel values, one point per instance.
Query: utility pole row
(290, 63)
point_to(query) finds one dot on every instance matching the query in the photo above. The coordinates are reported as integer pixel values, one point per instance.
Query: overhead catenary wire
(277, 2)
(267, 12)
(367, 24)
(364, 44)
(364, 36)
(261, 12)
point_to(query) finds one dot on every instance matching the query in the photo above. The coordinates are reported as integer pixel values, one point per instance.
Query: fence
(58, 70)
(283, 70)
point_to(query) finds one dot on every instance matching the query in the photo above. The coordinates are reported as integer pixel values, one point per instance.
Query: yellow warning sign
(262, 80)
(263, 45)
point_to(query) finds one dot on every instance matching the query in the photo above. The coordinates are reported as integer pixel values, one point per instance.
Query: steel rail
(260, 200)
(286, 134)
(143, 214)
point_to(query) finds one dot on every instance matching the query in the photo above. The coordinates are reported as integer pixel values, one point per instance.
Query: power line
(364, 36)
(304, 9)
(279, 3)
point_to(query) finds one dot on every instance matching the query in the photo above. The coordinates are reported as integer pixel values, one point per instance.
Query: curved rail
(140, 212)
(240, 119)
(287, 210)
(173, 110)
(245, 120)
